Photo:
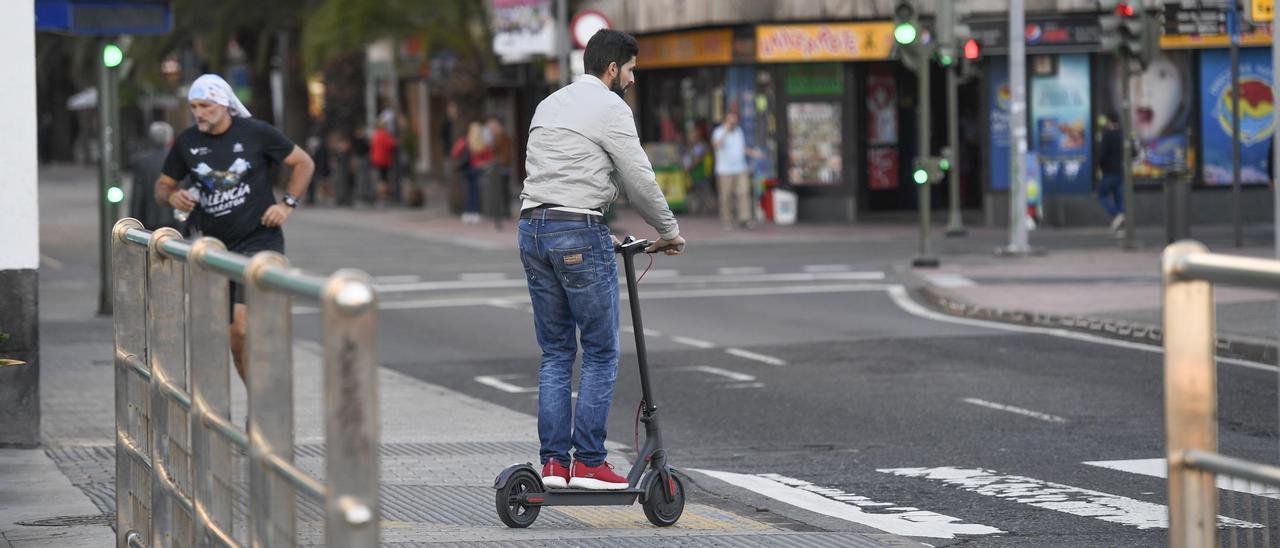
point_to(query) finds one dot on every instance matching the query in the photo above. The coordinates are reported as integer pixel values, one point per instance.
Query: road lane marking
(482, 276)
(697, 343)
(660, 273)
(496, 381)
(415, 304)
(52, 262)
(647, 332)
(815, 268)
(754, 356)
(851, 507)
(731, 375)
(740, 270)
(899, 295)
(742, 385)
(405, 279)
(1053, 496)
(950, 280)
(792, 277)
(1018, 410)
(1159, 468)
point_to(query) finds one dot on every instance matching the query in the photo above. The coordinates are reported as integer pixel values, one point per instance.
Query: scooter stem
(633, 299)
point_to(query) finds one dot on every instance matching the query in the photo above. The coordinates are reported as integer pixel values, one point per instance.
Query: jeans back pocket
(576, 266)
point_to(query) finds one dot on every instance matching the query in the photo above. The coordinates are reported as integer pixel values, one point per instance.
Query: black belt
(558, 215)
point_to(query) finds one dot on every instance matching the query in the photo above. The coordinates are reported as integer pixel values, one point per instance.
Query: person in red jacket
(382, 156)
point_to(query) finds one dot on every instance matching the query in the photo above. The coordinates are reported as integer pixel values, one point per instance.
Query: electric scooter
(521, 493)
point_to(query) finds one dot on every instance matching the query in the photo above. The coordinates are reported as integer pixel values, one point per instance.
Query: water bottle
(181, 215)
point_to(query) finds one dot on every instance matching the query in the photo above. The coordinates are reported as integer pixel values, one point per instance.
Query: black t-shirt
(231, 170)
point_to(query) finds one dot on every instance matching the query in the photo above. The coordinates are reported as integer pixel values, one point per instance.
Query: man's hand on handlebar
(674, 246)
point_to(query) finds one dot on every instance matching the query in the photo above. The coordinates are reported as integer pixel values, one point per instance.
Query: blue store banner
(998, 119)
(1060, 128)
(1257, 122)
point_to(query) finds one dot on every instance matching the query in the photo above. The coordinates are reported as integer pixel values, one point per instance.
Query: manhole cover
(66, 521)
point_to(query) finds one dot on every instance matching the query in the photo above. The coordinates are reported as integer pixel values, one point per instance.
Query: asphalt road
(788, 368)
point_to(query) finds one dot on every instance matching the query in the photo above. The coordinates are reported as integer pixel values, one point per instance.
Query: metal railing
(174, 436)
(1196, 469)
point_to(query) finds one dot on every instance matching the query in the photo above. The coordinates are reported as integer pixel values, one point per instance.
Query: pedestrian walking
(473, 155)
(579, 136)
(382, 156)
(1111, 165)
(698, 164)
(227, 155)
(146, 168)
(733, 181)
(498, 203)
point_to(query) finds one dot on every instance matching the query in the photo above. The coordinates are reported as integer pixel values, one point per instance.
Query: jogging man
(583, 147)
(227, 155)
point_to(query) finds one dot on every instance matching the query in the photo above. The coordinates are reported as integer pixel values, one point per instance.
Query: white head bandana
(211, 87)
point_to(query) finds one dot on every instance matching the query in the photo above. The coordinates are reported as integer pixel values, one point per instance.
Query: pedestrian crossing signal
(972, 50)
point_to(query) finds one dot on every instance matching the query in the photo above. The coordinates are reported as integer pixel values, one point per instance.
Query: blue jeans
(1110, 195)
(573, 282)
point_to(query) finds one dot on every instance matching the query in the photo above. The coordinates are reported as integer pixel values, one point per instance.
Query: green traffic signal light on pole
(920, 176)
(944, 164)
(945, 60)
(905, 33)
(115, 195)
(112, 55)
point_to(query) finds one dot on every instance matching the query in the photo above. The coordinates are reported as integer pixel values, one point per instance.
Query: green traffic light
(944, 164)
(905, 33)
(945, 60)
(115, 195)
(112, 55)
(920, 176)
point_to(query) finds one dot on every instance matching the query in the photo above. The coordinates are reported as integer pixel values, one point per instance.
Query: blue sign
(104, 17)
(1061, 129)
(1257, 121)
(998, 98)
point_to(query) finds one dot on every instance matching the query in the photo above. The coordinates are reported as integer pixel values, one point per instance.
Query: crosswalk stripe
(1054, 496)
(898, 520)
(1159, 468)
(754, 356)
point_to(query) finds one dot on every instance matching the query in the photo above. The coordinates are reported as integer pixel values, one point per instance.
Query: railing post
(129, 288)
(1190, 399)
(213, 484)
(351, 410)
(272, 499)
(170, 443)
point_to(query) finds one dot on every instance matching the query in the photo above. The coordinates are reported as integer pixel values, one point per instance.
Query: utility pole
(562, 40)
(952, 31)
(1233, 30)
(1018, 244)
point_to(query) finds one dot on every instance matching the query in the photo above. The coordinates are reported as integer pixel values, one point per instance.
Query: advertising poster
(523, 28)
(1257, 124)
(882, 106)
(1161, 109)
(814, 135)
(998, 119)
(1060, 126)
(882, 168)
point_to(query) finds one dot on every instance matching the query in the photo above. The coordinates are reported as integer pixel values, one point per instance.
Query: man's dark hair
(608, 46)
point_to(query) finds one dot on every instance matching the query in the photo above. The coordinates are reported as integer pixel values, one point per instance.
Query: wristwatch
(290, 200)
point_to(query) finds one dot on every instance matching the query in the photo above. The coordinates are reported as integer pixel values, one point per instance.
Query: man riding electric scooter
(582, 139)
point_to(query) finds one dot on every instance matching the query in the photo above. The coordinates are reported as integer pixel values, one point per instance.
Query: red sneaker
(555, 475)
(597, 477)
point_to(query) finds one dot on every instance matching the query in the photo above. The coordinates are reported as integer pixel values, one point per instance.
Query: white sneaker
(1117, 222)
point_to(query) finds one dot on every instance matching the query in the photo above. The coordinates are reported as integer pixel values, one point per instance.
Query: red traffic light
(1124, 10)
(971, 49)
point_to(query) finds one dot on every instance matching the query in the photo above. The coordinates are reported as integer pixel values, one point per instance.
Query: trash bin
(784, 206)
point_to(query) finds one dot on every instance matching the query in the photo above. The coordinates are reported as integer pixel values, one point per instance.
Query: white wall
(19, 211)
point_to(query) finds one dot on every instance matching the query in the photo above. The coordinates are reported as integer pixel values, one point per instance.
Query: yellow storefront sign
(1258, 37)
(685, 49)
(829, 42)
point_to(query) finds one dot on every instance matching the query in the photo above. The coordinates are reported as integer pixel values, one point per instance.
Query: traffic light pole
(1018, 244)
(1130, 240)
(955, 224)
(924, 259)
(1234, 29)
(107, 210)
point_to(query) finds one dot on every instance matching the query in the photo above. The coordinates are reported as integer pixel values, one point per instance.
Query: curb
(941, 300)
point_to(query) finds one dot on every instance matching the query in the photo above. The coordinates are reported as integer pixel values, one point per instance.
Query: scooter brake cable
(646, 269)
(635, 428)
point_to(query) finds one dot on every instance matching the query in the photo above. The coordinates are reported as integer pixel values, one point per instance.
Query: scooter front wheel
(513, 512)
(657, 509)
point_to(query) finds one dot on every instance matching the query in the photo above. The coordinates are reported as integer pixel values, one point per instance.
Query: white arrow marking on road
(699, 343)
(740, 270)
(1024, 412)
(852, 507)
(497, 382)
(1159, 468)
(754, 356)
(1053, 496)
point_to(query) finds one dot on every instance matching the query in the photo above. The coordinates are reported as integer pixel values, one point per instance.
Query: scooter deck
(583, 497)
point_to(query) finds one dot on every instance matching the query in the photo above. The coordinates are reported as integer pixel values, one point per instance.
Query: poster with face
(998, 122)
(1060, 129)
(1160, 109)
(1257, 122)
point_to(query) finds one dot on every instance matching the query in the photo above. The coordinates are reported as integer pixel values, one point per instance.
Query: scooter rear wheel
(657, 509)
(512, 512)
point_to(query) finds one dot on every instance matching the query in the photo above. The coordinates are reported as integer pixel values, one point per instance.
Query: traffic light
(1130, 32)
(906, 22)
(115, 194)
(929, 169)
(112, 55)
(972, 50)
(920, 174)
